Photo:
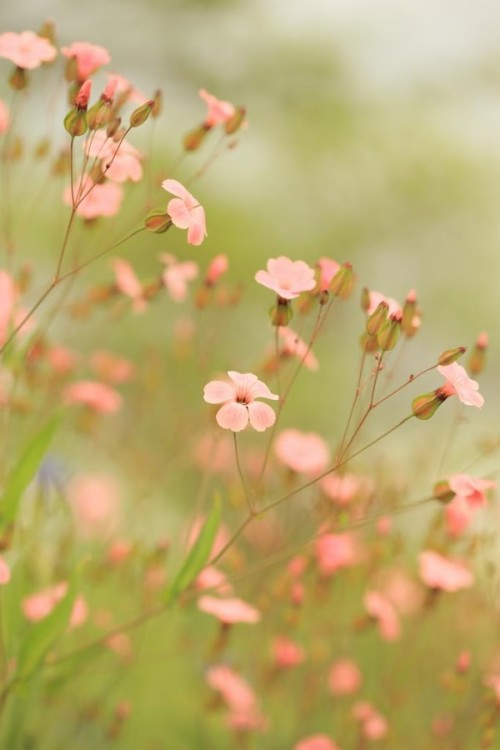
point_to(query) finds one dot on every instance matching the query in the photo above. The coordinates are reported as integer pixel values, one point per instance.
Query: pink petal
(261, 416)
(242, 379)
(218, 391)
(197, 230)
(175, 187)
(179, 213)
(232, 416)
(260, 390)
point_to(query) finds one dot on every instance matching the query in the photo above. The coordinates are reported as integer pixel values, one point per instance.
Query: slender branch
(242, 478)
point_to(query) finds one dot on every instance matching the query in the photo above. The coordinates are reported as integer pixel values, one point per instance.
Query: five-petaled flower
(26, 50)
(186, 212)
(460, 384)
(288, 278)
(218, 110)
(471, 489)
(88, 57)
(239, 402)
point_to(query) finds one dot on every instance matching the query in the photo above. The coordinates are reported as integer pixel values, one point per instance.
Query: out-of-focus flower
(101, 199)
(216, 268)
(128, 283)
(343, 488)
(471, 489)
(177, 275)
(316, 742)
(381, 609)
(97, 396)
(374, 726)
(89, 57)
(95, 505)
(460, 384)
(288, 278)
(375, 298)
(4, 117)
(38, 606)
(126, 89)
(327, 270)
(294, 346)
(439, 572)
(344, 677)
(240, 699)
(120, 160)
(111, 368)
(186, 212)
(287, 653)
(336, 551)
(303, 452)
(26, 50)
(218, 110)
(229, 611)
(4, 571)
(213, 578)
(239, 402)
(458, 516)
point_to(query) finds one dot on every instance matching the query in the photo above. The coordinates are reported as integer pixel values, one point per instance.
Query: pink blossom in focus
(316, 742)
(328, 268)
(439, 572)
(218, 110)
(127, 283)
(111, 368)
(294, 346)
(460, 384)
(288, 278)
(239, 402)
(186, 212)
(97, 396)
(89, 57)
(177, 275)
(26, 50)
(4, 117)
(303, 452)
(4, 571)
(381, 609)
(344, 677)
(101, 199)
(394, 308)
(229, 611)
(336, 551)
(473, 490)
(287, 653)
(95, 505)
(216, 268)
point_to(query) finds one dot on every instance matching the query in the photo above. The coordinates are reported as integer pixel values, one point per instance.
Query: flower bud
(99, 115)
(365, 299)
(443, 492)
(409, 313)
(83, 96)
(157, 221)
(157, 104)
(18, 79)
(451, 355)
(426, 405)
(235, 122)
(71, 69)
(113, 127)
(342, 283)
(141, 114)
(281, 313)
(377, 319)
(75, 122)
(388, 334)
(193, 140)
(369, 343)
(48, 31)
(477, 358)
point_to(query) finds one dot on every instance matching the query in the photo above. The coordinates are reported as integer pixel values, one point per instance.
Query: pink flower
(26, 50)
(186, 212)
(287, 653)
(97, 396)
(294, 346)
(122, 158)
(439, 572)
(213, 578)
(458, 516)
(176, 276)
(239, 402)
(344, 677)
(303, 452)
(4, 572)
(459, 383)
(286, 277)
(327, 270)
(8, 295)
(245, 712)
(343, 488)
(336, 551)
(493, 681)
(373, 725)
(126, 89)
(101, 199)
(229, 611)
(381, 609)
(218, 110)
(128, 283)
(316, 742)
(471, 489)
(4, 117)
(61, 359)
(88, 57)
(217, 267)
(376, 298)
(111, 368)
(95, 505)
(38, 606)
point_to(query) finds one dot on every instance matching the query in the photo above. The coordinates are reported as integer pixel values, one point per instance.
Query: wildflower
(303, 452)
(287, 653)
(176, 276)
(286, 277)
(125, 90)
(217, 267)
(94, 503)
(186, 212)
(89, 57)
(128, 283)
(460, 384)
(100, 199)
(336, 551)
(439, 572)
(473, 490)
(97, 396)
(120, 161)
(376, 298)
(111, 368)
(328, 268)
(373, 725)
(381, 609)
(294, 346)
(344, 677)
(229, 611)
(4, 117)
(239, 402)
(218, 110)
(4, 572)
(26, 50)
(316, 742)
(343, 488)
(240, 699)
(458, 516)
(38, 606)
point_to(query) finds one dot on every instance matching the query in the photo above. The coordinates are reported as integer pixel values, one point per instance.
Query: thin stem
(243, 482)
(354, 402)
(411, 379)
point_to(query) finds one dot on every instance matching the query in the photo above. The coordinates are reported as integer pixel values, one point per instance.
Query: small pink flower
(343, 488)
(213, 578)
(236, 692)
(316, 742)
(376, 298)
(217, 267)
(38, 606)
(294, 346)
(327, 270)
(381, 609)
(89, 57)
(8, 296)
(61, 359)
(460, 384)
(336, 551)
(95, 505)
(303, 452)
(4, 117)
(218, 110)
(128, 284)
(177, 275)
(344, 677)
(229, 611)
(439, 572)
(97, 396)
(471, 489)
(101, 199)
(288, 278)
(111, 368)
(121, 161)
(186, 212)
(373, 725)
(287, 653)
(239, 402)
(26, 50)
(4, 571)
(125, 89)
(458, 516)
(493, 681)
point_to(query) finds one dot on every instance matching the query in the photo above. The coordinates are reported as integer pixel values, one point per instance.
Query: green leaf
(24, 471)
(198, 554)
(43, 634)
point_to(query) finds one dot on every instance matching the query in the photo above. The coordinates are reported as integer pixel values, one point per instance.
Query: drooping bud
(109, 90)
(157, 221)
(477, 358)
(48, 31)
(443, 492)
(193, 140)
(281, 313)
(388, 334)
(377, 319)
(83, 96)
(234, 123)
(157, 104)
(409, 313)
(141, 114)
(342, 283)
(365, 299)
(216, 268)
(451, 355)
(426, 405)
(18, 79)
